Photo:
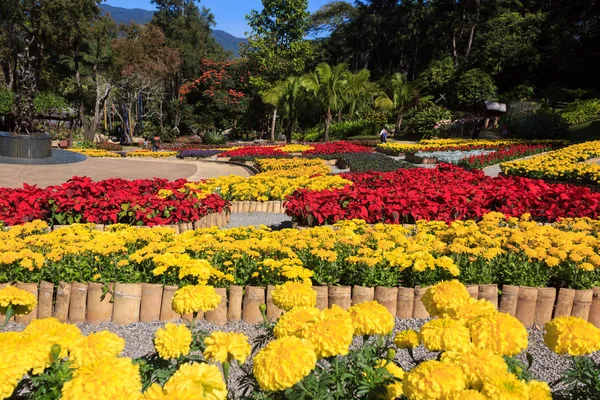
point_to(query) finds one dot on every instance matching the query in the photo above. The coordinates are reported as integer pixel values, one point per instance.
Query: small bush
(7, 101)
(109, 146)
(84, 144)
(214, 138)
(544, 124)
(313, 134)
(345, 129)
(581, 111)
(50, 104)
(423, 122)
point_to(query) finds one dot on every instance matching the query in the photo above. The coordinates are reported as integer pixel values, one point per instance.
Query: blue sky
(229, 14)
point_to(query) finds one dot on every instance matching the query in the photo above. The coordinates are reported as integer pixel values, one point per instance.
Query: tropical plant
(328, 85)
(360, 92)
(286, 95)
(400, 96)
(474, 87)
(213, 137)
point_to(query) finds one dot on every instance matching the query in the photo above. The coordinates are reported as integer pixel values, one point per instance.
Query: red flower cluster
(107, 202)
(510, 153)
(340, 147)
(253, 151)
(444, 193)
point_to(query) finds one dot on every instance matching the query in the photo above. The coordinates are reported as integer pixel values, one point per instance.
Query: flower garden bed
(444, 193)
(502, 155)
(139, 202)
(364, 162)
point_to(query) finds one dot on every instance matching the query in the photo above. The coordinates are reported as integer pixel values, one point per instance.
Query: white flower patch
(452, 156)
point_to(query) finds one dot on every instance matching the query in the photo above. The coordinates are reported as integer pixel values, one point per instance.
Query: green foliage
(212, 137)
(581, 381)
(363, 162)
(345, 129)
(543, 124)
(438, 76)
(50, 104)
(313, 134)
(400, 96)
(581, 111)
(48, 384)
(288, 96)
(84, 144)
(7, 101)
(423, 122)
(474, 87)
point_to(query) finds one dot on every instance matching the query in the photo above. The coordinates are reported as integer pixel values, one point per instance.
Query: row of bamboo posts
(127, 303)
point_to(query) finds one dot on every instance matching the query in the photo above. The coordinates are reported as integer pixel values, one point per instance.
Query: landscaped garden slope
(444, 193)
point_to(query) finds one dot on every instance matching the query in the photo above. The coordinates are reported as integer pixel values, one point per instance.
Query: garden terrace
(573, 164)
(444, 193)
(462, 145)
(364, 162)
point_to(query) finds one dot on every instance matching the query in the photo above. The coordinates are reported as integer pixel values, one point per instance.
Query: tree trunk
(339, 116)
(273, 122)
(328, 117)
(398, 124)
(99, 105)
(290, 130)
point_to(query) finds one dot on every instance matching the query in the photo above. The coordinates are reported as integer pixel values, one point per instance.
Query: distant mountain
(137, 15)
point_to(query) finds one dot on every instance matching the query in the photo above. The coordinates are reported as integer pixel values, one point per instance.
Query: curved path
(105, 168)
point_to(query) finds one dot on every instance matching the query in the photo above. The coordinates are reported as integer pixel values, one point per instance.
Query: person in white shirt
(383, 135)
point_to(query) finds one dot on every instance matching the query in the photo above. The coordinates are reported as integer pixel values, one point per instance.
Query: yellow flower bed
(295, 148)
(274, 185)
(566, 164)
(278, 164)
(153, 154)
(442, 144)
(95, 152)
(517, 251)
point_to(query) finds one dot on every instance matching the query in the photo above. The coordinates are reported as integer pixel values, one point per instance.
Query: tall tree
(276, 43)
(286, 95)
(399, 96)
(328, 86)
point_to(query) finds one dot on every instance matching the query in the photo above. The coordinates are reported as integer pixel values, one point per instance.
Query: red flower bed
(443, 193)
(253, 151)
(511, 153)
(110, 201)
(337, 148)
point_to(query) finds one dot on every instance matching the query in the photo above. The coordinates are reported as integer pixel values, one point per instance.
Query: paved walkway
(104, 168)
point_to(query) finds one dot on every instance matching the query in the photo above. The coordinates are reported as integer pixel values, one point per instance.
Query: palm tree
(360, 90)
(328, 85)
(400, 96)
(286, 95)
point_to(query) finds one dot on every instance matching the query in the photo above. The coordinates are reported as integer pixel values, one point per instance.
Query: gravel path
(547, 366)
(272, 220)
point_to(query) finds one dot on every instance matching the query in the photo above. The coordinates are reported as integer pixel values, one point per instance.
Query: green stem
(226, 372)
(9, 314)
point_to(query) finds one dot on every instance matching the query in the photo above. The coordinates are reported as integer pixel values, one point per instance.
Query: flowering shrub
(464, 144)
(340, 147)
(253, 151)
(295, 148)
(109, 146)
(494, 250)
(139, 202)
(277, 164)
(96, 153)
(567, 165)
(444, 193)
(198, 153)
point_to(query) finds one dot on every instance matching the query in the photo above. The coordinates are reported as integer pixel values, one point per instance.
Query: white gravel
(272, 220)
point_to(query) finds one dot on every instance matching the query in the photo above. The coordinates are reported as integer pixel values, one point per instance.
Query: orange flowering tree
(220, 93)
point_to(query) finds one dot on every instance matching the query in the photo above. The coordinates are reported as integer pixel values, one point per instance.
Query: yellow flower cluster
(278, 164)
(267, 186)
(449, 143)
(294, 294)
(21, 301)
(571, 335)
(567, 164)
(471, 365)
(193, 299)
(151, 154)
(191, 381)
(371, 318)
(172, 341)
(295, 148)
(96, 152)
(227, 346)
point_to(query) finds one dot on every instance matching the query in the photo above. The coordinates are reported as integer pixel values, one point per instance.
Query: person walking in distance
(383, 135)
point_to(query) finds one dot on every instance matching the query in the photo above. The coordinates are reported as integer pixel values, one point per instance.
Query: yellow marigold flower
(52, 331)
(539, 391)
(445, 334)
(293, 322)
(501, 333)
(433, 380)
(444, 296)
(226, 346)
(203, 381)
(283, 363)
(95, 346)
(407, 339)
(471, 309)
(571, 335)
(393, 390)
(371, 318)
(196, 298)
(505, 386)
(331, 334)
(21, 300)
(467, 394)
(294, 294)
(172, 341)
(476, 364)
(107, 378)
